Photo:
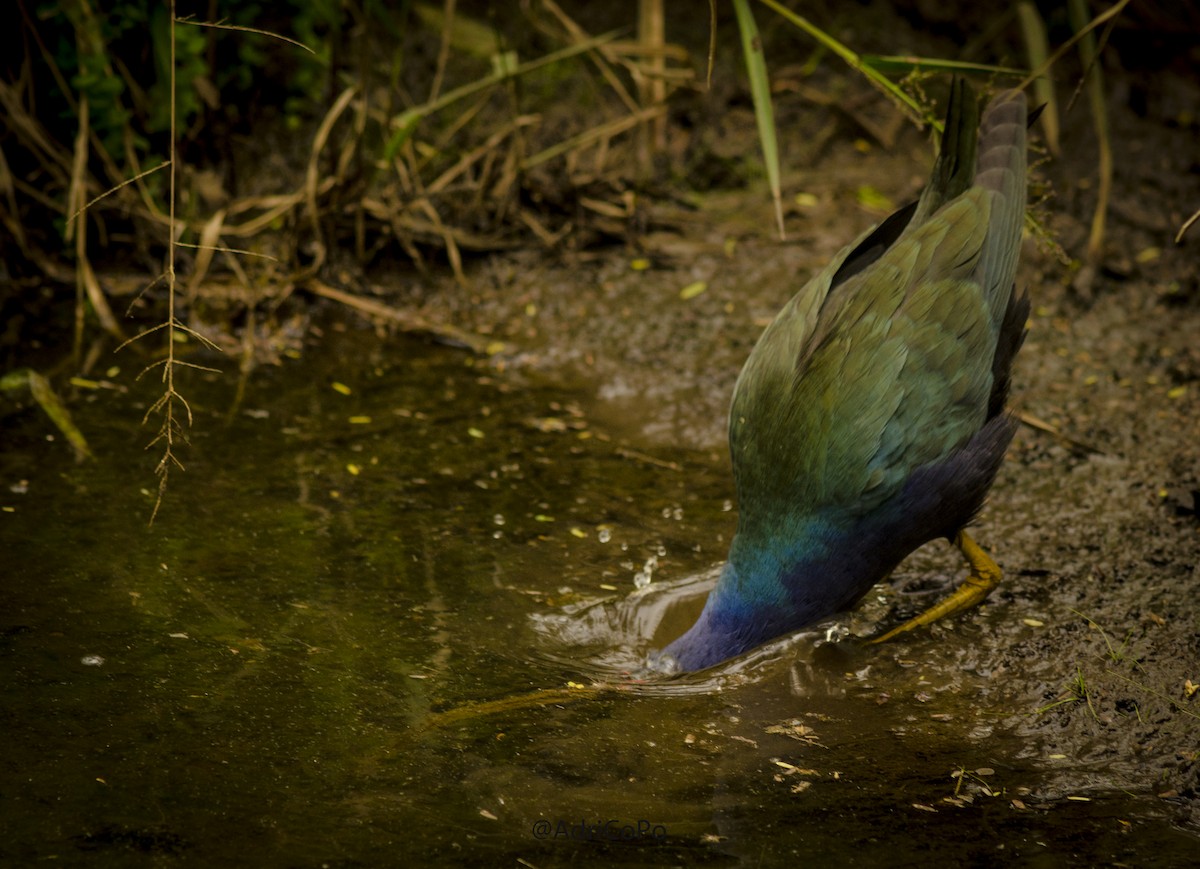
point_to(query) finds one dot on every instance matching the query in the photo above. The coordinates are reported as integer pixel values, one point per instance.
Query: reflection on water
(330, 651)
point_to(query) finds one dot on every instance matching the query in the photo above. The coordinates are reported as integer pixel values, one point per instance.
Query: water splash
(642, 578)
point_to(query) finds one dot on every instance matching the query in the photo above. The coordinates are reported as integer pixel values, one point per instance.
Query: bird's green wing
(850, 389)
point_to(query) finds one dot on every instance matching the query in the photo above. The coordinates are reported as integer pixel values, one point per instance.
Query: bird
(870, 419)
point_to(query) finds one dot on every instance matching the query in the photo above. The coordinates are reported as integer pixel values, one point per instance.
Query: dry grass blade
(221, 25)
(148, 199)
(76, 192)
(404, 320)
(175, 326)
(581, 140)
(86, 285)
(30, 133)
(274, 207)
(406, 122)
(443, 51)
(110, 191)
(1077, 12)
(1104, 16)
(1041, 425)
(447, 238)
(10, 214)
(548, 238)
(237, 251)
(91, 288)
(1179, 707)
(1186, 225)
(404, 225)
(209, 237)
(312, 174)
(626, 453)
(470, 158)
(603, 56)
(179, 327)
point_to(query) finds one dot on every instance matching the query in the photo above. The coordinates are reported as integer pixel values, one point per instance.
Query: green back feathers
(883, 361)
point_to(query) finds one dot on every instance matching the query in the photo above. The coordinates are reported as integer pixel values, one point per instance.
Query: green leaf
(760, 92)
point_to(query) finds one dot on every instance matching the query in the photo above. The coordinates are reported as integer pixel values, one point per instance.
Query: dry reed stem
(403, 320)
(587, 137)
(602, 56)
(652, 85)
(1186, 225)
(311, 174)
(443, 51)
(10, 215)
(86, 285)
(209, 237)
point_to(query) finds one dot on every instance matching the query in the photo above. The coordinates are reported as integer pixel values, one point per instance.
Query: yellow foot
(983, 577)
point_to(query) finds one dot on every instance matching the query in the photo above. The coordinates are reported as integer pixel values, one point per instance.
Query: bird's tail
(954, 170)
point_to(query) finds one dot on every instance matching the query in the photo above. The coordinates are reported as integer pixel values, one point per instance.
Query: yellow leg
(983, 577)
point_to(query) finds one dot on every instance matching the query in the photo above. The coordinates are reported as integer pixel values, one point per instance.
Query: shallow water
(399, 623)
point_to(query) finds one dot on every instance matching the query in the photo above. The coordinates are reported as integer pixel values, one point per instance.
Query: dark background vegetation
(271, 162)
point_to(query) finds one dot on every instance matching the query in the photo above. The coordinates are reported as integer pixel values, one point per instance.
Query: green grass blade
(407, 121)
(760, 92)
(1037, 49)
(907, 64)
(893, 92)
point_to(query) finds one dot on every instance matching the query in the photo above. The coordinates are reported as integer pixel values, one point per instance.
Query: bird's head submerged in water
(869, 418)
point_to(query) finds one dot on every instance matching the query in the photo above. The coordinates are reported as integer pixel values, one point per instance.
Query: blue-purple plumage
(869, 418)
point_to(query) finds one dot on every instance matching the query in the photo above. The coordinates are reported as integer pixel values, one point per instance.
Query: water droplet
(642, 578)
(498, 518)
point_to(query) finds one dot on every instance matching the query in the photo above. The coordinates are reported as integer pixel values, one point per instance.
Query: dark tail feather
(1012, 336)
(954, 170)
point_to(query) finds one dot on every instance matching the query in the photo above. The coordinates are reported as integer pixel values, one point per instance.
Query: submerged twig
(534, 700)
